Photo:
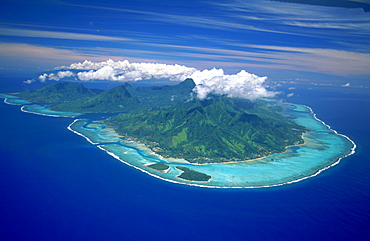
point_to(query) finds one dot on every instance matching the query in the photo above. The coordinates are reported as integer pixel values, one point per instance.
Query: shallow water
(42, 110)
(55, 185)
(13, 100)
(322, 149)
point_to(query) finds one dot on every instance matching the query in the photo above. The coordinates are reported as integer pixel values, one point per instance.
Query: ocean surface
(55, 185)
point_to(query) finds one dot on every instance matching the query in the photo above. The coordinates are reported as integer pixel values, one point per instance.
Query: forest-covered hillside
(215, 130)
(175, 124)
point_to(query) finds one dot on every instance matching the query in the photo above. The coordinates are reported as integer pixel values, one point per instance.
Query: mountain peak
(117, 99)
(59, 92)
(189, 83)
(127, 85)
(118, 91)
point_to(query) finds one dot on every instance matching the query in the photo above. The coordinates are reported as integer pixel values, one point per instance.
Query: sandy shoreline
(184, 161)
(146, 149)
(161, 171)
(173, 161)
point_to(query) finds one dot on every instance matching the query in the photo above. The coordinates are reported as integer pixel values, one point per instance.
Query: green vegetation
(191, 175)
(168, 121)
(220, 129)
(127, 98)
(117, 99)
(162, 95)
(159, 166)
(60, 92)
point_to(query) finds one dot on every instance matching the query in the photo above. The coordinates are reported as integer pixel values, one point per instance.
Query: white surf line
(50, 115)
(170, 180)
(316, 173)
(78, 133)
(195, 184)
(329, 127)
(6, 102)
(327, 167)
(306, 177)
(145, 171)
(234, 187)
(10, 97)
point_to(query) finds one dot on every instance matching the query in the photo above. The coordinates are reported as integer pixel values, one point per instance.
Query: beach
(293, 165)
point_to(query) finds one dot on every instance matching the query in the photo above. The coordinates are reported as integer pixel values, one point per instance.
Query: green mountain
(127, 98)
(60, 92)
(162, 95)
(117, 99)
(77, 98)
(215, 130)
(169, 121)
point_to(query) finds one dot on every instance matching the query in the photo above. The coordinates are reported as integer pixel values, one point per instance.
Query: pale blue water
(13, 100)
(323, 148)
(42, 110)
(56, 185)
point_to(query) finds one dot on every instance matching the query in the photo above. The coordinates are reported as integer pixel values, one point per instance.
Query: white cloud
(242, 84)
(43, 77)
(56, 77)
(62, 74)
(34, 56)
(321, 60)
(104, 73)
(126, 71)
(56, 35)
(361, 1)
(30, 81)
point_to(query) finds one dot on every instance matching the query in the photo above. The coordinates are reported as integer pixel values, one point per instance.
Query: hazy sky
(278, 39)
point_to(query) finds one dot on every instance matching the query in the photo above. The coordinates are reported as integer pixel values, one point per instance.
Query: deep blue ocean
(55, 185)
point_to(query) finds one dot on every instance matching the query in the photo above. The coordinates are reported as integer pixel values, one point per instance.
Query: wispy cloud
(262, 16)
(203, 21)
(320, 60)
(29, 56)
(282, 14)
(17, 32)
(249, 28)
(241, 85)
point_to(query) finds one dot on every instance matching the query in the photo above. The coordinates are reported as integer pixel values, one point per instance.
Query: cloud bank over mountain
(125, 71)
(242, 84)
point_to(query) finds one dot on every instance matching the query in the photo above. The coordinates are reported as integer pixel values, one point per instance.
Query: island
(218, 141)
(191, 175)
(176, 125)
(162, 167)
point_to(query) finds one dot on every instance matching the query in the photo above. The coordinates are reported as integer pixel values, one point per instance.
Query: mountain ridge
(113, 100)
(174, 124)
(204, 133)
(59, 92)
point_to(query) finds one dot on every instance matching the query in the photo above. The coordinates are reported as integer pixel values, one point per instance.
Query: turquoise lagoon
(32, 108)
(323, 148)
(13, 100)
(43, 110)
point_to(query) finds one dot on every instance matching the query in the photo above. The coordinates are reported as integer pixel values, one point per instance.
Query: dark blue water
(54, 185)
